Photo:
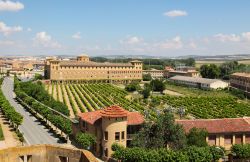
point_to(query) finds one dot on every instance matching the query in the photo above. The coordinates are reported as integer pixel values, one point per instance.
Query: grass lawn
(188, 91)
(1, 134)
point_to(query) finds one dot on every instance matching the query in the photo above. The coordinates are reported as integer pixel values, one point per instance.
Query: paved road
(34, 132)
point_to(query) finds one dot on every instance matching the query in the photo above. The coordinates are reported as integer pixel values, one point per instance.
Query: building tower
(114, 126)
(83, 58)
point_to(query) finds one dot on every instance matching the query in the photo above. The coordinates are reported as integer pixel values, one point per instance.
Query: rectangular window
(123, 135)
(248, 138)
(212, 140)
(238, 139)
(117, 136)
(106, 135)
(228, 139)
(106, 152)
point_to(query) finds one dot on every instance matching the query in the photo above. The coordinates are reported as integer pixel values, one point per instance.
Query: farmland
(217, 62)
(91, 97)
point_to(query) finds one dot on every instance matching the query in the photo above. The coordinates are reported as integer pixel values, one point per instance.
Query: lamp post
(181, 111)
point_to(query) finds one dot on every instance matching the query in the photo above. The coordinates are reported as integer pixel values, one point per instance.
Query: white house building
(197, 82)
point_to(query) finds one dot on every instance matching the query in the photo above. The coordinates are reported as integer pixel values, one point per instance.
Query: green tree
(157, 85)
(146, 77)
(161, 133)
(197, 137)
(85, 140)
(210, 71)
(134, 86)
(146, 92)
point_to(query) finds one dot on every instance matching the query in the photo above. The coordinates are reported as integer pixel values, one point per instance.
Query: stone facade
(110, 125)
(222, 132)
(45, 153)
(241, 81)
(83, 69)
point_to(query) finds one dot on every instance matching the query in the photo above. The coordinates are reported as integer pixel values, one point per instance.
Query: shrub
(241, 151)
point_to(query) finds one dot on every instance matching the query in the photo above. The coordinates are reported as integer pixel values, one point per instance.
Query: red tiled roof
(133, 118)
(113, 112)
(247, 75)
(226, 125)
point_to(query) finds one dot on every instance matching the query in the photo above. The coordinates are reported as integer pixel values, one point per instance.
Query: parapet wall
(45, 153)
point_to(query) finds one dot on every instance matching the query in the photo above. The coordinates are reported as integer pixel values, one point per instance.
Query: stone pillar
(233, 140)
(243, 139)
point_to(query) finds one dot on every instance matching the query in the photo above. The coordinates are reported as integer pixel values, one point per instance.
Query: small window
(117, 136)
(64, 159)
(106, 152)
(123, 135)
(228, 139)
(105, 135)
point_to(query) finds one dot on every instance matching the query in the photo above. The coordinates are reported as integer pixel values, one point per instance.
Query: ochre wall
(45, 153)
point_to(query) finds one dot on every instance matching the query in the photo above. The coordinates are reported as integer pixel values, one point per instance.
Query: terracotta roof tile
(226, 125)
(133, 118)
(114, 112)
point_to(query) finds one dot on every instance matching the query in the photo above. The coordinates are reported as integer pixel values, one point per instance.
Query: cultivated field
(218, 62)
(90, 97)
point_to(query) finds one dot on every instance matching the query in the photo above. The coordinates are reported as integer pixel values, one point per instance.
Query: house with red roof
(222, 132)
(110, 125)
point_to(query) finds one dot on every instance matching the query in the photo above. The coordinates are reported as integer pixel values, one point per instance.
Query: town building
(222, 132)
(181, 71)
(45, 153)
(109, 125)
(240, 81)
(202, 83)
(84, 69)
(154, 73)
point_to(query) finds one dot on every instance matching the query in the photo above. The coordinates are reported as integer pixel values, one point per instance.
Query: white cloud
(42, 38)
(193, 45)
(77, 35)
(131, 40)
(227, 37)
(7, 5)
(29, 29)
(6, 43)
(174, 43)
(246, 36)
(6, 30)
(176, 13)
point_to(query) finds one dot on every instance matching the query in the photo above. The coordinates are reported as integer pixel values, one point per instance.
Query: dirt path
(60, 93)
(50, 89)
(78, 98)
(66, 97)
(55, 92)
(172, 93)
(73, 99)
(10, 138)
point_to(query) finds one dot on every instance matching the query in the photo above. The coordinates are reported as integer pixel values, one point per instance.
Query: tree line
(149, 63)
(222, 71)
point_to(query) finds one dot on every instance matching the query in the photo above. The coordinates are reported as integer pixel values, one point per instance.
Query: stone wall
(45, 153)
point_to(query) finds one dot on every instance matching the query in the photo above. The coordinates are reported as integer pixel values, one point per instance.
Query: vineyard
(208, 107)
(90, 97)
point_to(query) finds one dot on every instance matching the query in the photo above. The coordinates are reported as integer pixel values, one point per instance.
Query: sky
(124, 27)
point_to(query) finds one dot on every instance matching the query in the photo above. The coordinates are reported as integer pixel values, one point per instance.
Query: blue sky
(118, 27)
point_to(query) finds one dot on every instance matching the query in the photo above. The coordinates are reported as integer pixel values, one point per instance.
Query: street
(34, 132)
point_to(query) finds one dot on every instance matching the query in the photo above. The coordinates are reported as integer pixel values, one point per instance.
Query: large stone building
(202, 83)
(181, 71)
(241, 81)
(45, 153)
(84, 69)
(110, 125)
(154, 73)
(222, 132)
